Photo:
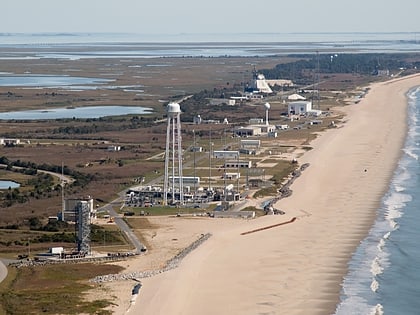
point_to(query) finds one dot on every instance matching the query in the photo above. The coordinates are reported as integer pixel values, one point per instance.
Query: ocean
(384, 272)
(113, 45)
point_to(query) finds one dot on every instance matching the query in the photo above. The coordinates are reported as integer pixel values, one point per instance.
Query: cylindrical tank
(173, 109)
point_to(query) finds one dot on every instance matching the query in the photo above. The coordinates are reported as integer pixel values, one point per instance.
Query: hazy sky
(212, 16)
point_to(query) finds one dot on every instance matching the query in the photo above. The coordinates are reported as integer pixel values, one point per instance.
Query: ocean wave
(381, 245)
(374, 286)
(353, 305)
(399, 188)
(410, 153)
(376, 268)
(378, 309)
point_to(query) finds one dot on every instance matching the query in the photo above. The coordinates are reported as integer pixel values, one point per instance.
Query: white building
(238, 164)
(196, 149)
(231, 176)
(296, 97)
(226, 154)
(248, 131)
(253, 144)
(9, 141)
(197, 120)
(299, 107)
(256, 121)
(71, 206)
(114, 148)
(220, 101)
(260, 85)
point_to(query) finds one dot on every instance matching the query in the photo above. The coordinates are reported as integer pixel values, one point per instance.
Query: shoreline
(297, 268)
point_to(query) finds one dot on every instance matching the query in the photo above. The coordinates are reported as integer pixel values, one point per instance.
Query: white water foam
(376, 268)
(378, 309)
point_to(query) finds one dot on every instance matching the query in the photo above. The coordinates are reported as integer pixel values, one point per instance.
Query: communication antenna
(62, 192)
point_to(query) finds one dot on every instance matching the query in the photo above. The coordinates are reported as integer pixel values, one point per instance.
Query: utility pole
(210, 154)
(194, 148)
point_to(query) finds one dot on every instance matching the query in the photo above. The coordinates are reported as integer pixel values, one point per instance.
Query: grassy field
(42, 289)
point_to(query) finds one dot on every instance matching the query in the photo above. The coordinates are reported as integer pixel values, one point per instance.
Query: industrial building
(70, 210)
(260, 85)
(299, 107)
(302, 108)
(248, 131)
(226, 154)
(238, 164)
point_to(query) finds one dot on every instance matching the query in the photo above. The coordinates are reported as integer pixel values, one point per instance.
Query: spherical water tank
(173, 109)
(267, 106)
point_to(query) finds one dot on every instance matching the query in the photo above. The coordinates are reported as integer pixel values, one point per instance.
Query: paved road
(122, 225)
(3, 271)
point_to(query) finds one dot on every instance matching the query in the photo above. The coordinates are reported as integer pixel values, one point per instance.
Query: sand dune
(296, 268)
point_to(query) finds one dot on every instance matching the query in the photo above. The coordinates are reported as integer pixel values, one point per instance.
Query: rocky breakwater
(170, 264)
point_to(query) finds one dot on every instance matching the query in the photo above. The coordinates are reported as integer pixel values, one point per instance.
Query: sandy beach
(296, 268)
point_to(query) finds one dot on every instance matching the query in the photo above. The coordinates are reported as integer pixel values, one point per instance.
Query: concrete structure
(197, 120)
(249, 151)
(248, 131)
(173, 154)
(250, 144)
(9, 142)
(256, 121)
(282, 127)
(226, 154)
(231, 176)
(238, 164)
(260, 85)
(220, 101)
(56, 250)
(70, 211)
(196, 149)
(299, 107)
(114, 148)
(296, 97)
(280, 82)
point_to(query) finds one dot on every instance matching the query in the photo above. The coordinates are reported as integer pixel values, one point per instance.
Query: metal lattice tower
(173, 155)
(83, 227)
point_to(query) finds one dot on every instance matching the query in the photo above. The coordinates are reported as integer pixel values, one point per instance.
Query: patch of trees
(199, 102)
(43, 183)
(85, 127)
(366, 64)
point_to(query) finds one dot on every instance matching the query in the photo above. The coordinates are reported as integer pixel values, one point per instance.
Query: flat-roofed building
(248, 131)
(226, 154)
(250, 144)
(238, 164)
(72, 206)
(299, 107)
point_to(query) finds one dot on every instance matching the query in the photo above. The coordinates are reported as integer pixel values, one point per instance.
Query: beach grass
(37, 289)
